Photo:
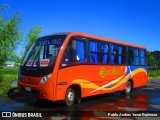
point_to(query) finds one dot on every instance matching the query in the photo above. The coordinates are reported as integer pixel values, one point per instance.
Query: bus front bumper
(37, 91)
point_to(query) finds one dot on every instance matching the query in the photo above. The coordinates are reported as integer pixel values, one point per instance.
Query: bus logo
(102, 72)
(114, 71)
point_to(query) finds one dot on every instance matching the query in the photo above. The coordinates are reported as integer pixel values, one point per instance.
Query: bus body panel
(139, 75)
(98, 79)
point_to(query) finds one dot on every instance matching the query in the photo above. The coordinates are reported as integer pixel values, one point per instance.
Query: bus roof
(105, 39)
(97, 37)
(60, 33)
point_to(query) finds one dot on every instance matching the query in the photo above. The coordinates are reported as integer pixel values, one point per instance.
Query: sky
(132, 21)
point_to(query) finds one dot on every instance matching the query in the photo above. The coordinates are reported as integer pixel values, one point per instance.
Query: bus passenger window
(93, 57)
(142, 57)
(114, 54)
(124, 60)
(130, 56)
(105, 55)
(136, 57)
(133, 56)
(74, 52)
(98, 52)
(102, 52)
(118, 54)
(80, 51)
(67, 55)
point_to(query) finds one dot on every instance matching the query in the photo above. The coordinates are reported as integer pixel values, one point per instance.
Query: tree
(33, 34)
(10, 35)
(16, 58)
(151, 60)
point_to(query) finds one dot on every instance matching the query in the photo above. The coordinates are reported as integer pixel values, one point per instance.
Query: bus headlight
(45, 78)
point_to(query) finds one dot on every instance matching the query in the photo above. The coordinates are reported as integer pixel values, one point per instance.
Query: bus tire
(70, 97)
(128, 89)
(78, 99)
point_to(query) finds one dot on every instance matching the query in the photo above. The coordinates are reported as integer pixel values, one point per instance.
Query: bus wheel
(70, 97)
(128, 89)
(78, 99)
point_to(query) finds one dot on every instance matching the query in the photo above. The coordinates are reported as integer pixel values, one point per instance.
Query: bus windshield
(43, 52)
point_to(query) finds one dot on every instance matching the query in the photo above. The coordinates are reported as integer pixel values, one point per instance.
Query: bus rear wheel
(128, 89)
(70, 97)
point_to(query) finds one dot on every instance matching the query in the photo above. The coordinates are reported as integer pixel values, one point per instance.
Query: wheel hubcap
(70, 96)
(128, 89)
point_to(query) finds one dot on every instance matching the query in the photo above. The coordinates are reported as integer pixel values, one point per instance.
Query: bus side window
(74, 52)
(136, 57)
(133, 56)
(93, 57)
(130, 55)
(79, 51)
(142, 57)
(119, 54)
(98, 52)
(67, 56)
(114, 54)
(124, 55)
(105, 58)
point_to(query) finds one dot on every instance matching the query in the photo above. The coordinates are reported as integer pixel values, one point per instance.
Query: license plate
(27, 88)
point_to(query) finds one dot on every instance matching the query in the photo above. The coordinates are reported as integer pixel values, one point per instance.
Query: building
(156, 54)
(10, 63)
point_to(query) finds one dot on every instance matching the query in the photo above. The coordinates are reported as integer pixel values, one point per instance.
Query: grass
(154, 73)
(7, 75)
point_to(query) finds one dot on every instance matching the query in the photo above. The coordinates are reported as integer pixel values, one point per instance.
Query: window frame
(72, 62)
(139, 56)
(98, 52)
(87, 51)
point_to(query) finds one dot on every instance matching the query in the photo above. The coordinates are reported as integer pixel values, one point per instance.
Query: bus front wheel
(70, 97)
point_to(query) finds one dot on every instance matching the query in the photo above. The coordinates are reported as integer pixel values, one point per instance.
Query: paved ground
(104, 107)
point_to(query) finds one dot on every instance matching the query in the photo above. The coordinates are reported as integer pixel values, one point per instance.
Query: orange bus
(71, 66)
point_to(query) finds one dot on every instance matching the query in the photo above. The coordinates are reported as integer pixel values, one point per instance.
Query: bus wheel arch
(73, 95)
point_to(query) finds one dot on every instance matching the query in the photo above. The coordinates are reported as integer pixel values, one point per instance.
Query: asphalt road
(103, 107)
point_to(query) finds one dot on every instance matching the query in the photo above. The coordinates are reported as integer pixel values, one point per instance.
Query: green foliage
(154, 73)
(33, 34)
(10, 35)
(151, 60)
(6, 77)
(17, 59)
